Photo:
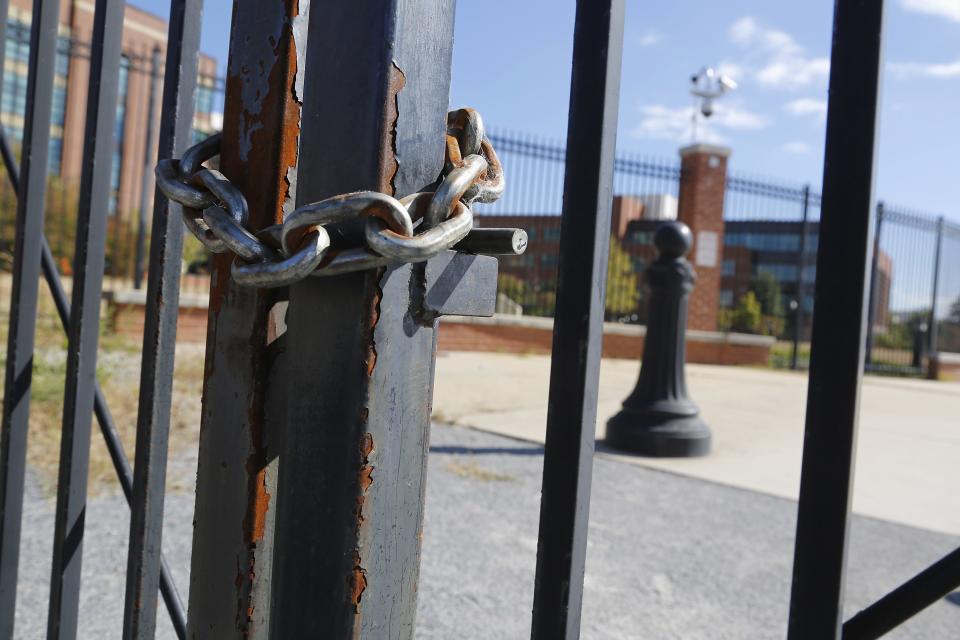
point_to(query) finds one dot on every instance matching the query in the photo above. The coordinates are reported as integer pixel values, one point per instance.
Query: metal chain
(411, 229)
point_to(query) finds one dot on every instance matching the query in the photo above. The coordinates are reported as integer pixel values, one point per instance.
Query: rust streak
(389, 165)
(272, 136)
(358, 578)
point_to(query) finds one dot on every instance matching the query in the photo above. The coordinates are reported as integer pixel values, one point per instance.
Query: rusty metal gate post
(230, 566)
(360, 347)
(323, 408)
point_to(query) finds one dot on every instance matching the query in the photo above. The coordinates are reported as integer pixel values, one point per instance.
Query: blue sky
(512, 62)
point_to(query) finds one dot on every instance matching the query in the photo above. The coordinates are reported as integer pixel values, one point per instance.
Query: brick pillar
(702, 187)
(626, 209)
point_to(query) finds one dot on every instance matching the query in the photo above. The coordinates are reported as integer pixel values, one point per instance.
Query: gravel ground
(668, 557)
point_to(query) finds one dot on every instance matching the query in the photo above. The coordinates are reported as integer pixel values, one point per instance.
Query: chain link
(411, 229)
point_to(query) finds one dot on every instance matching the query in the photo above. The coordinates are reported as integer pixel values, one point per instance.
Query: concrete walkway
(909, 439)
(668, 557)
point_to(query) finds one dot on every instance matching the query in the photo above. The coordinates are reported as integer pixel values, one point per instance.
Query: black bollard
(659, 418)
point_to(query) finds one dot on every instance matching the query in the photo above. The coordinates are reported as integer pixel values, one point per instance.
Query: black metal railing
(32, 256)
(140, 82)
(770, 253)
(843, 237)
(646, 188)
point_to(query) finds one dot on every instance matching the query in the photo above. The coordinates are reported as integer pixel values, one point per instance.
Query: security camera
(727, 83)
(706, 108)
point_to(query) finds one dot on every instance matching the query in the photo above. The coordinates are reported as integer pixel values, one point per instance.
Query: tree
(623, 282)
(747, 316)
(766, 288)
(536, 297)
(954, 315)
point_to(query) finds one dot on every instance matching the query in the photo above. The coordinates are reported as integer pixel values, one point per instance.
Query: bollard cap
(673, 240)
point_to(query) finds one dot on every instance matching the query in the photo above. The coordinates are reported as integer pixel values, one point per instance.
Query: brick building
(142, 33)
(749, 248)
(753, 247)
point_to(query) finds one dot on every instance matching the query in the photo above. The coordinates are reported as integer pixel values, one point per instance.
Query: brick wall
(500, 338)
(522, 335)
(702, 187)
(943, 366)
(127, 320)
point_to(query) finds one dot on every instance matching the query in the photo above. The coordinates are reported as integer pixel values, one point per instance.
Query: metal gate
(317, 394)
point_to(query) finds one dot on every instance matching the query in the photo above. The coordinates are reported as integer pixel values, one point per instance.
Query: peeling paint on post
(351, 487)
(237, 470)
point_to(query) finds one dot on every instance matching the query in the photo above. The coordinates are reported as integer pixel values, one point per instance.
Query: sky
(512, 62)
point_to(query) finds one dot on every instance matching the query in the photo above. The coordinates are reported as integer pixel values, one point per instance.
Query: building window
(760, 241)
(551, 234)
(729, 267)
(120, 125)
(204, 100)
(54, 155)
(643, 237)
(59, 113)
(726, 298)
(782, 272)
(13, 103)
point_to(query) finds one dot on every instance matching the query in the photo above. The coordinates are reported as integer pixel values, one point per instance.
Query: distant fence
(770, 250)
(139, 85)
(533, 200)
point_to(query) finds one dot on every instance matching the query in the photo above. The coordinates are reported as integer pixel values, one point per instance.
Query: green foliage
(536, 298)
(746, 317)
(60, 229)
(623, 282)
(766, 288)
(899, 335)
(195, 255)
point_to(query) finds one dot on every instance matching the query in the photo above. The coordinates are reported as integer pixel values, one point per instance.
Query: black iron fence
(533, 201)
(139, 86)
(316, 554)
(770, 239)
(768, 264)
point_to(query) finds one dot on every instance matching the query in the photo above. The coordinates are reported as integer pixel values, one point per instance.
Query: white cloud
(807, 107)
(733, 117)
(796, 147)
(649, 38)
(921, 70)
(660, 122)
(731, 70)
(949, 9)
(743, 29)
(781, 62)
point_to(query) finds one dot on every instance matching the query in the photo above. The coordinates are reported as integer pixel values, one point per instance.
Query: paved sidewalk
(909, 440)
(669, 558)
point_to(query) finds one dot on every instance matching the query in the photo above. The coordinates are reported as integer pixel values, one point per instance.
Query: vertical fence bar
(934, 331)
(837, 349)
(108, 427)
(798, 313)
(578, 327)
(237, 470)
(31, 200)
(874, 283)
(160, 333)
(84, 329)
(147, 180)
(351, 483)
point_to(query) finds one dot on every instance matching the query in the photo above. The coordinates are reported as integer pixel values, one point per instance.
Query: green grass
(118, 371)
